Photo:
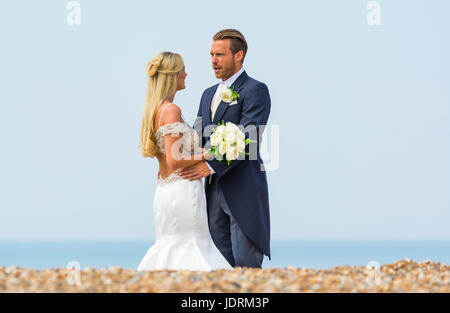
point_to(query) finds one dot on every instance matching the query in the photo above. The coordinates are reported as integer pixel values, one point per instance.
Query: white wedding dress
(183, 240)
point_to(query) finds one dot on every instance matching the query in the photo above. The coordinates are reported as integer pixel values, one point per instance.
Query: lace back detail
(171, 128)
(190, 140)
(179, 128)
(171, 178)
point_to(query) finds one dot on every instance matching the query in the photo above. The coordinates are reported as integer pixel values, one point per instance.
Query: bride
(183, 240)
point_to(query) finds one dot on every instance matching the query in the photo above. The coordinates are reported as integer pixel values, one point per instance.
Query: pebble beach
(401, 276)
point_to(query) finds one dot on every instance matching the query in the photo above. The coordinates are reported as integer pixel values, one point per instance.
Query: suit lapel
(240, 81)
(223, 106)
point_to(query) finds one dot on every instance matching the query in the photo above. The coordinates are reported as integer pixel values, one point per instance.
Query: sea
(300, 254)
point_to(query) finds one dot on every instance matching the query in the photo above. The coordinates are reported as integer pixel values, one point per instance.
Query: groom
(237, 195)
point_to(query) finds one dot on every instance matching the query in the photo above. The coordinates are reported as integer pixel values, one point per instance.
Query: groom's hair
(237, 40)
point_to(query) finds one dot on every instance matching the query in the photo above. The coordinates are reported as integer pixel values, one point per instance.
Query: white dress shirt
(216, 99)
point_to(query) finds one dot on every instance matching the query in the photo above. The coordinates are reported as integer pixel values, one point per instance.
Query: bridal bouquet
(228, 142)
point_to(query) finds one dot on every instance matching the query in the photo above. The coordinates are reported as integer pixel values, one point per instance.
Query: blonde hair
(162, 71)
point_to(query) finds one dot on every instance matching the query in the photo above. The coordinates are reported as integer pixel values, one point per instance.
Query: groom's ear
(239, 56)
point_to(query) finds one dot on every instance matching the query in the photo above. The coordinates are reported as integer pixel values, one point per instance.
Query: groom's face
(224, 63)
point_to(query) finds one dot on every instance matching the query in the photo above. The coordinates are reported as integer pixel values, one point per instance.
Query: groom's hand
(196, 171)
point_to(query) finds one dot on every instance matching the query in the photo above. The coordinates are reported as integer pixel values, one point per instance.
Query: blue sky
(362, 111)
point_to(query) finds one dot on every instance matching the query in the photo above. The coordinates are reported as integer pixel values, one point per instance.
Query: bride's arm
(174, 157)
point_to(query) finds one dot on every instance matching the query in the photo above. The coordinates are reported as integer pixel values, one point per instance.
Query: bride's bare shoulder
(172, 113)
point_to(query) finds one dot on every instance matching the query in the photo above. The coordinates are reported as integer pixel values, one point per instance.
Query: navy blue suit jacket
(243, 182)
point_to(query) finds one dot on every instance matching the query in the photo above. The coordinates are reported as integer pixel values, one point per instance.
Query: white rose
(230, 137)
(232, 153)
(231, 127)
(216, 139)
(220, 130)
(227, 95)
(240, 135)
(240, 145)
(222, 148)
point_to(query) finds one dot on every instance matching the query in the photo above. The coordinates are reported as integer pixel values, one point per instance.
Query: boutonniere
(229, 95)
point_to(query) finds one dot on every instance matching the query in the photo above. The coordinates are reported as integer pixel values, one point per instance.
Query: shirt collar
(233, 78)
